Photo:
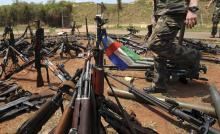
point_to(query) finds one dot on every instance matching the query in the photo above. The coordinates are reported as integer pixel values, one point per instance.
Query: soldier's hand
(191, 19)
(206, 6)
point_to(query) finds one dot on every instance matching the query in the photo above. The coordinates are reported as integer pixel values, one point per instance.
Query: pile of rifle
(199, 121)
(14, 100)
(82, 115)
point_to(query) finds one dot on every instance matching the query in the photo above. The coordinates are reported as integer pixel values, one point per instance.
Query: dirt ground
(195, 92)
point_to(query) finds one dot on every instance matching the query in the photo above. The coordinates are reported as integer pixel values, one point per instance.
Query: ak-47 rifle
(9, 90)
(38, 46)
(58, 70)
(133, 45)
(26, 64)
(201, 46)
(82, 115)
(31, 101)
(9, 30)
(197, 120)
(98, 75)
(17, 70)
(65, 122)
(35, 123)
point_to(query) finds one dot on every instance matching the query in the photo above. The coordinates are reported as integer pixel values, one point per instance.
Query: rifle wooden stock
(76, 113)
(40, 81)
(84, 126)
(64, 124)
(98, 81)
(35, 123)
(82, 112)
(82, 116)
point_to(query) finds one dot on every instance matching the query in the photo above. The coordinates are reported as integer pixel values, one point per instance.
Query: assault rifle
(9, 90)
(11, 52)
(197, 120)
(17, 70)
(39, 38)
(201, 46)
(83, 113)
(65, 122)
(35, 123)
(58, 70)
(30, 101)
(68, 46)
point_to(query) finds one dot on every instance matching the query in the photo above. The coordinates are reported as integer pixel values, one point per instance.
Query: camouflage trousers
(215, 21)
(164, 44)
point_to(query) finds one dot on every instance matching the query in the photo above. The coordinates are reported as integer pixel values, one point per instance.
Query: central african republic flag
(120, 55)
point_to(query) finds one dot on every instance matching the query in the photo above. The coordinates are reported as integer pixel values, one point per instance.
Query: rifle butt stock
(35, 123)
(85, 117)
(64, 124)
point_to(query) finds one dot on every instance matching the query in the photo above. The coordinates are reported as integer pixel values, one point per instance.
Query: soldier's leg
(163, 42)
(161, 76)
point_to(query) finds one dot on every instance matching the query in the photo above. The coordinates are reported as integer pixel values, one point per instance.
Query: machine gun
(35, 123)
(197, 120)
(201, 46)
(175, 71)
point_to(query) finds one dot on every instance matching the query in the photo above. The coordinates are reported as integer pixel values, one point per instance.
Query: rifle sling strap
(69, 83)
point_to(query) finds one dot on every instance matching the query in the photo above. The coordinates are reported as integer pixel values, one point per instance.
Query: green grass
(137, 14)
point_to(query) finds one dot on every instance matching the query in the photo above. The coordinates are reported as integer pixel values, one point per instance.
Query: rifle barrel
(194, 122)
(215, 100)
(127, 95)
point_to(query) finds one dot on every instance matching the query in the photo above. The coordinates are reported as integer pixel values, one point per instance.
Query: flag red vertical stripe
(112, 48)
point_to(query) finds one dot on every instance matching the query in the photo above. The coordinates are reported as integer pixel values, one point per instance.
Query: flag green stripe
(131, 54)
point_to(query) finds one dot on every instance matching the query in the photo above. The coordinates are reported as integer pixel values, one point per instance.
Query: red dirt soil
(195, 92)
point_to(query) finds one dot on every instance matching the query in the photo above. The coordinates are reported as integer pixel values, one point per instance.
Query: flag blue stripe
(118, 62)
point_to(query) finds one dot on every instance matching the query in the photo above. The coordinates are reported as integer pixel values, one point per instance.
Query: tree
(119, 8)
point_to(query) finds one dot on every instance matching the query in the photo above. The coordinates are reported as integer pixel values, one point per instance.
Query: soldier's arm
(208, 5)
(191, 17)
